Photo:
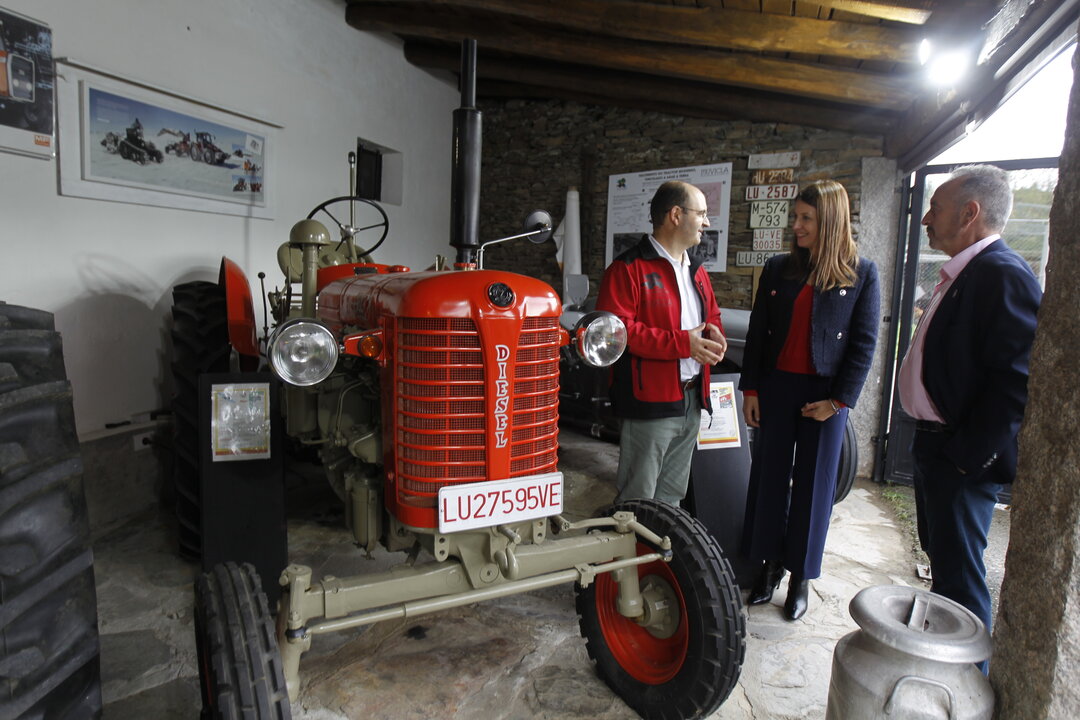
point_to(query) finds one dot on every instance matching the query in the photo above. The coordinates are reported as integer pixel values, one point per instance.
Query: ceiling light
(945, 69)
(925, 50)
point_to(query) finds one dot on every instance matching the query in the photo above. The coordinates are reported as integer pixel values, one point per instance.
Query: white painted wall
(106, 269)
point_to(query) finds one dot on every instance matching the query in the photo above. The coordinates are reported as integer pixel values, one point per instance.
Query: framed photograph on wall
(26, 86)
(124, 141)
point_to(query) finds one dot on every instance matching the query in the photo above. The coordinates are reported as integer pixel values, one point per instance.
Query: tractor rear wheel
(200, 344)
(48, 603)
(849, 463)
(687, 667)
(240, 669)
(846, 466)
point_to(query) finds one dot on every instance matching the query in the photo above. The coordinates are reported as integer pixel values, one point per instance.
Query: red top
(795, 355)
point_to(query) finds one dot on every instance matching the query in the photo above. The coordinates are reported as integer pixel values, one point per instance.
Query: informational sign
(629, 195)
(753, 259)
(768, 239)
(240, 423)
(27, 83)
(721, 429)
(772, 192)
(772, 177)
(774, 160)
(768, 214)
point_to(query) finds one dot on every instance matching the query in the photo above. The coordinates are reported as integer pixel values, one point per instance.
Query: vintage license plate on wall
(772, 192)
(753, 259)
(773, 176)
(768, 213)
(477, 505)
(768, 239)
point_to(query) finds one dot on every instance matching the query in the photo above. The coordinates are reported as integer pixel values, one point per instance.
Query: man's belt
(931, 426)
(692, 383)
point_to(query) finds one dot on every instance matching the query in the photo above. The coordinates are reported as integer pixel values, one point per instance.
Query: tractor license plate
(476, 505)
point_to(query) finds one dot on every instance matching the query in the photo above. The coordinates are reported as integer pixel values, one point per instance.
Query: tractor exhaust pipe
(465, 182)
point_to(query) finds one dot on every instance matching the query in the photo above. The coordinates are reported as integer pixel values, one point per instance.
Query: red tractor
(204, 149)
(434, 399)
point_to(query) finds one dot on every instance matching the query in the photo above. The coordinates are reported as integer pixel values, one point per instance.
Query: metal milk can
(913, 658)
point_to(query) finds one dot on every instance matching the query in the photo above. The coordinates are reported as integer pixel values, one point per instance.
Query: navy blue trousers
(793, 476)
(954, 513)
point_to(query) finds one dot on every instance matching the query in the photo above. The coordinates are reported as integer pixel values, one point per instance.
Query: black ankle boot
(798, 594)
(772, 572)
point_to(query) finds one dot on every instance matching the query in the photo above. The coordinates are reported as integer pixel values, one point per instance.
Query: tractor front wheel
(240, 669)
(685, 664)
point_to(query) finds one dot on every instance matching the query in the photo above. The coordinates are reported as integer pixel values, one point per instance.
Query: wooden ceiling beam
(508, 77)
(708, 66)
(915, 12)
(707, 27)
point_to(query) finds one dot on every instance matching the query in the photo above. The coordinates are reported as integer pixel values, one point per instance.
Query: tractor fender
(241, 311)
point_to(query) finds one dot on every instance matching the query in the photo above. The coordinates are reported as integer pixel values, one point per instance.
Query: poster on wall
(628, 209)
(26, 86)
(122, 140)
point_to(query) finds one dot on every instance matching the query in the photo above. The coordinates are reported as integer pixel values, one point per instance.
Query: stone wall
(533, 152)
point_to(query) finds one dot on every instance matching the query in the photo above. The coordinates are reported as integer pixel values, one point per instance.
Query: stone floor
(515, 658)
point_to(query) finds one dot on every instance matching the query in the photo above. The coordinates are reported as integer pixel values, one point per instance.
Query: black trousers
(954, 513)
(793, 476)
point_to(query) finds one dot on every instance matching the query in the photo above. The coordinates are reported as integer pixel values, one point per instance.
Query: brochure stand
(242, 475)
(720, 475)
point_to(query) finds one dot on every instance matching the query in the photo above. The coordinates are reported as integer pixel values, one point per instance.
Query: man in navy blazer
(964, 379)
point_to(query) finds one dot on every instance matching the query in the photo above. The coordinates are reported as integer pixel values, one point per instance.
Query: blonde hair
(835, 258)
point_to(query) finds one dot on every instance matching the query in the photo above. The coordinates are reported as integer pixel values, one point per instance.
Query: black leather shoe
(772, 572)
(798, 592)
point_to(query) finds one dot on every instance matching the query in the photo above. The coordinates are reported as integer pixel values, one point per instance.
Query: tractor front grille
(442, 387)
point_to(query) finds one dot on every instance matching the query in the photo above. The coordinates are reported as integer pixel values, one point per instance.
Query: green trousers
(654, 455)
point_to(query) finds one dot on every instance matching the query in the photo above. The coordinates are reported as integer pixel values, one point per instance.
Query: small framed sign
(770, 161)
(240, 421)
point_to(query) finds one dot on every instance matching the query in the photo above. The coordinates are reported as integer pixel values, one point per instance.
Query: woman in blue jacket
(808, 350)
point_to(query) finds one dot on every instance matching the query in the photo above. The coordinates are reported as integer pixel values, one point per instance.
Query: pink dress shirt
(913, 395)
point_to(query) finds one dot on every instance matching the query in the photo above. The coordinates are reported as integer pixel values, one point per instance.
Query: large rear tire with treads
(200, 344)
(48, 603)
(849, 463)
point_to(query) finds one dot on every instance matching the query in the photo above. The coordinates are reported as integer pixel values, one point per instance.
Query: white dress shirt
(688, 299)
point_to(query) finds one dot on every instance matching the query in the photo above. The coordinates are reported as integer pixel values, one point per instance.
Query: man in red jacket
(661, 383)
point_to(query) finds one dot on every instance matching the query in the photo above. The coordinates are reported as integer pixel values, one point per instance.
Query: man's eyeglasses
(700, 213)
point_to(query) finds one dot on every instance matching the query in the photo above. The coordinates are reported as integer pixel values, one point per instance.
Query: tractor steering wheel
(355, 209)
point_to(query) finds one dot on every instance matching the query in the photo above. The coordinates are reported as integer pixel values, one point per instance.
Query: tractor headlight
(599, 338)
(303, 352)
